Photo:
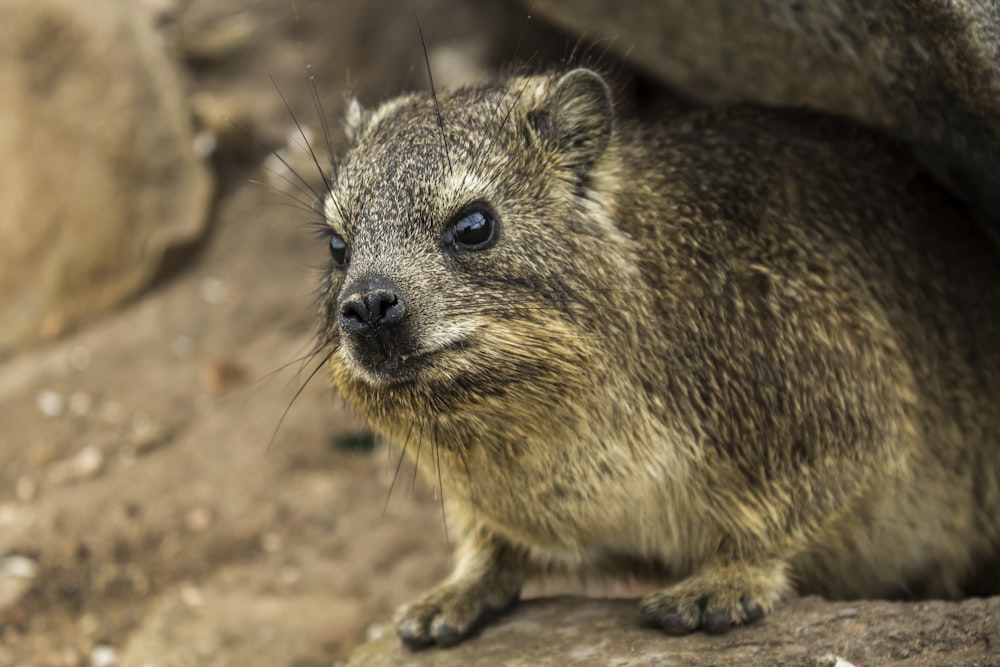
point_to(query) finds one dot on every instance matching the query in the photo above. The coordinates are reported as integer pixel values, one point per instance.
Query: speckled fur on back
(753, 351)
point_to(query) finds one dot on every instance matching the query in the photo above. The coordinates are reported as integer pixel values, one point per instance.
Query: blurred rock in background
(100, 175)
(926, 70)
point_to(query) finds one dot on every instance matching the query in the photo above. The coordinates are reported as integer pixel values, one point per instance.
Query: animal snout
(371, 306)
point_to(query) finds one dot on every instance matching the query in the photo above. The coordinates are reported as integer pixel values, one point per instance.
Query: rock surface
(100, 175)
(928, 70)
(808, 632)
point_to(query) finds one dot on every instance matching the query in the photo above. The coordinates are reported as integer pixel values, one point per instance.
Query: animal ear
(355, 120)
(580, 116)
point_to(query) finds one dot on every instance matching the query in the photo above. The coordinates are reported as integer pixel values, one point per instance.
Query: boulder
(100, 175)
(807, 632)
(926, 70)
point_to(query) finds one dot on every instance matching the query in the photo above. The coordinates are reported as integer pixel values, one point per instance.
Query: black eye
(339, 251)
(473, 229)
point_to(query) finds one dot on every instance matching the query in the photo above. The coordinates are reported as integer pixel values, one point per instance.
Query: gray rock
(100, 177)
(805, 632)
(927, 70)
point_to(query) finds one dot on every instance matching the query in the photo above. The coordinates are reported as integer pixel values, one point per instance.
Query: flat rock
(927, 70)
(100, 174)
(805, 632)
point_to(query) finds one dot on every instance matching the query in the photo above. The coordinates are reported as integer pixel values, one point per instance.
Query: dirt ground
(136, 456)
(146, 466)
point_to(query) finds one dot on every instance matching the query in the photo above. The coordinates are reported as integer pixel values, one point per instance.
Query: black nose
(371, 306)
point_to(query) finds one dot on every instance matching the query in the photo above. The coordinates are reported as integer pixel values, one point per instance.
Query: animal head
(470, 250)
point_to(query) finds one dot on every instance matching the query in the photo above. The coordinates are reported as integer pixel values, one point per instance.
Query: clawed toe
(715, 600)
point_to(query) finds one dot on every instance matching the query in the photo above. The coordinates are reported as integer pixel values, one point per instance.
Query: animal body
(751, 351)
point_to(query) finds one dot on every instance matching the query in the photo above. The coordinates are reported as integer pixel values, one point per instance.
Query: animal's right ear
(355, 120)
(579, 117)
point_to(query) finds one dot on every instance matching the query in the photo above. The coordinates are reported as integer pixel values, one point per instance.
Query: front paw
(447, 614)
(716, 598)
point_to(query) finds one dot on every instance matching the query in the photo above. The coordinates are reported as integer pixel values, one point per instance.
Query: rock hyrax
(751, 351)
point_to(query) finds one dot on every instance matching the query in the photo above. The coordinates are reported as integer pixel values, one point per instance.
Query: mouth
(387, 369)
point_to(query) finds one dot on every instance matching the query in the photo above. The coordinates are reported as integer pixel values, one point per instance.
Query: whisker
(295, 204)
(468, 480)
(302, 133)
(298, 393)
(399, 464)
(324, 123)
(416, 460)
(503, 124)
(308, 186)
(437, 462)
(434, 96)
(306, 358)
(295, 187)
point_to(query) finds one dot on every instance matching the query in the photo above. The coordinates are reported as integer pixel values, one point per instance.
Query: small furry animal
(751, 351)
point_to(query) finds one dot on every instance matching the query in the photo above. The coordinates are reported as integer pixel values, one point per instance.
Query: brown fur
(754, 351)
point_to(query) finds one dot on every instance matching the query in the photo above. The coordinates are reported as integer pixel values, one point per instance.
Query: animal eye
(339, 251)
(473, 229)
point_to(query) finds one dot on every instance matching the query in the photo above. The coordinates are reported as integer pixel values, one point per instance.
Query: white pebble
(192, 597)
(213, 291)
(16, 575)
(20, 567)
(142, 426)
(375, 631)
(50, 403)
(103, 656)
(205, 143)
(198, 519)
(79, 358)
(87, 463)
(182, 347)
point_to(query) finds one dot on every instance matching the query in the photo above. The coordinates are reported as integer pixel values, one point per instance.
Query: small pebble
(87, 463)
(25, 488)
(198, 519)
(375, 631)
(271, 543)
(50, 403)
(192, 597)
(146, 434)
(18, 566)
(213, 291)
(16, 576)
(182, 347)
(103, 656)
(80, 403)
(79, 358)
(204, 144)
